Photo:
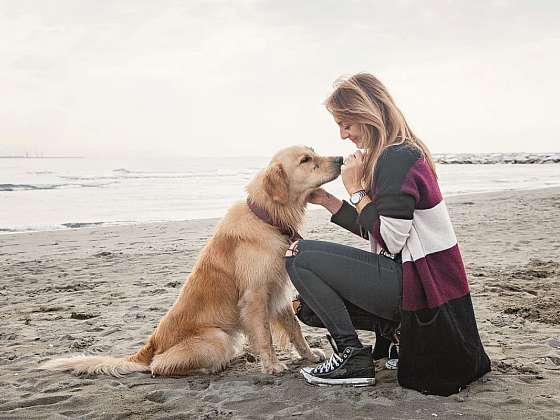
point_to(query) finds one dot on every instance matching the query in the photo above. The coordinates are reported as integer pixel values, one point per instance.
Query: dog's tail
(106, 365)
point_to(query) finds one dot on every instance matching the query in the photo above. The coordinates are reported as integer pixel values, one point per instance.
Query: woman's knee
(298, 253)
(290, 261)
(298, 247)
(304, 255)
(295, 261)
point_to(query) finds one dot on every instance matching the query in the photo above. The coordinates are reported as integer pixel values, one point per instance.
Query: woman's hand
(323, 198)
(319, 197)
(352, 171)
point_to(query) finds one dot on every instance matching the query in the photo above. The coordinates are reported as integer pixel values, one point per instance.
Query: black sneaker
(393, 357)
(354, 366)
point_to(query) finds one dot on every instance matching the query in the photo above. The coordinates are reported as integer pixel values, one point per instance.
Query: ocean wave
(136, 175)
(37, 187)
(63, 226)
(125, 171)
(77, 225)
(69, 225)
(128, 171)
(25, 187)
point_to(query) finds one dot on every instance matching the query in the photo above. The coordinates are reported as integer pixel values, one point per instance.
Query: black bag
(440, 349)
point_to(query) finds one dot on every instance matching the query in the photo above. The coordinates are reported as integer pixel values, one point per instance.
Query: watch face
(357, 196)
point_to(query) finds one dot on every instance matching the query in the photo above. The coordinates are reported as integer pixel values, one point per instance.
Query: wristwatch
(356, 197)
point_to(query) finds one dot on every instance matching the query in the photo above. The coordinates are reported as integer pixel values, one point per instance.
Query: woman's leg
(325, 274)
(361, 320)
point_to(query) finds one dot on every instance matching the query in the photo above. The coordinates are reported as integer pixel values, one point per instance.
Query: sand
(103, 290)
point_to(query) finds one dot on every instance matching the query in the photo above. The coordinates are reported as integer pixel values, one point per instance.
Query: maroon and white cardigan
(440, 348)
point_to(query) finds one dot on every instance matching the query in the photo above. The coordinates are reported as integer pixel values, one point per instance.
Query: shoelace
(329, 365)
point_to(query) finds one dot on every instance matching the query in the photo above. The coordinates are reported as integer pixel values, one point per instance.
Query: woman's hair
(362, 99)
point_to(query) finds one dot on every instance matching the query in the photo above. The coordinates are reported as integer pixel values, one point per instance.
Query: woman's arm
(389, 216)
(347, 218)
(332, 204)
(343, 214)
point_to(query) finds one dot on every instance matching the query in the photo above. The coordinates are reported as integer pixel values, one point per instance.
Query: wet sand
(103, 290)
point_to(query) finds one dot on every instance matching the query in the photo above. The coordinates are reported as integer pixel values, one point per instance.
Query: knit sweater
(440, 348)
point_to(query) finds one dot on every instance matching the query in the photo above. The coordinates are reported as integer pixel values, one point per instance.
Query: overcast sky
(247, 77)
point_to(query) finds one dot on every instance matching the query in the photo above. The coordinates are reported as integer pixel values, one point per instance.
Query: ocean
(50, 194)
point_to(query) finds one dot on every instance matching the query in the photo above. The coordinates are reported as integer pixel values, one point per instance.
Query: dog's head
(294, 172)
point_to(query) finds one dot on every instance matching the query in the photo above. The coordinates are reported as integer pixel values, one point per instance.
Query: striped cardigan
(440, 348)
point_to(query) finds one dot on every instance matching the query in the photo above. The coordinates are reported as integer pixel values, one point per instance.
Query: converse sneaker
(393, 357)
(354, 366)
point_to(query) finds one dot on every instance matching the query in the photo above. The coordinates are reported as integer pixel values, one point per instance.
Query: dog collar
(262, 214)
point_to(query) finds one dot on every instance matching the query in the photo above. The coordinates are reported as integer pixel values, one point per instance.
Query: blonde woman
(414, 275)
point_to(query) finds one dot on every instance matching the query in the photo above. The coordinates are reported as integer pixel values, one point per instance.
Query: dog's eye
(305, 159)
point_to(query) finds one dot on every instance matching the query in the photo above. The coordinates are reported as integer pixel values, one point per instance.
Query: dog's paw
(317, 356)
(274, 368)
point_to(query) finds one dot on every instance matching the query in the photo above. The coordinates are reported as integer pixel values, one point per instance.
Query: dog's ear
(276, 183)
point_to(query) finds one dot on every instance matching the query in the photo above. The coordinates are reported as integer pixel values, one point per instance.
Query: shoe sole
(357, 382)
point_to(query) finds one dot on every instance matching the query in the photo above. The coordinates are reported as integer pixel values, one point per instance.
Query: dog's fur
(238, 286)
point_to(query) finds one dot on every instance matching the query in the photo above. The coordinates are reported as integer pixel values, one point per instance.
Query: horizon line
(246, 156)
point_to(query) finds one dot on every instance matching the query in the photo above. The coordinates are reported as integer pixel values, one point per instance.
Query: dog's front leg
(286, 320)
(256, 324)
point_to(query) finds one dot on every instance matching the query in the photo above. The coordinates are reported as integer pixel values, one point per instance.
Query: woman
(414, 275)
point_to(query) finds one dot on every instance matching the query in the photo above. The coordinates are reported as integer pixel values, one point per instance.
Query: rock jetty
(493, 158)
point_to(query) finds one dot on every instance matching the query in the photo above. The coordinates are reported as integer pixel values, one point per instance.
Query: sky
(248, 77)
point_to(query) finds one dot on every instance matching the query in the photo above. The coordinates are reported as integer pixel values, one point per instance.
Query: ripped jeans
(329, 276)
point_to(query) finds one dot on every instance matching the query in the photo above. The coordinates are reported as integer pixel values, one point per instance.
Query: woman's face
(351, 131)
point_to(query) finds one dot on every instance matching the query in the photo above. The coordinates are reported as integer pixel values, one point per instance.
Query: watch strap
(360, 193)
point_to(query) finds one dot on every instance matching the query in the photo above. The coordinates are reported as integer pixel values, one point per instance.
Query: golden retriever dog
(238, 286)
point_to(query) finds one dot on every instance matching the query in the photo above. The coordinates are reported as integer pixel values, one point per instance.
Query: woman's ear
(276, 183)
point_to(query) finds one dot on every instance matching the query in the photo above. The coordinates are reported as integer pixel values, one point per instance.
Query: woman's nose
(343, 134)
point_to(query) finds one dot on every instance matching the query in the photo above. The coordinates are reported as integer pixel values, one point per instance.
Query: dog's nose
(339, 160)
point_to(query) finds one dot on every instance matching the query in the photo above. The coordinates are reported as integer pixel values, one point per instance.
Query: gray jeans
(327, 274)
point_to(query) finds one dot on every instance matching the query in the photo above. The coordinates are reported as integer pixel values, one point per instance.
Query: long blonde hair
(362, 99)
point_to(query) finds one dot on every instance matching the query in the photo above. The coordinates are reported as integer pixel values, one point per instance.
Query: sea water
(48, 194)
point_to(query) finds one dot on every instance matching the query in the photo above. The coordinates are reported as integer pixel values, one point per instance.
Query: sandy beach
(103, 290)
